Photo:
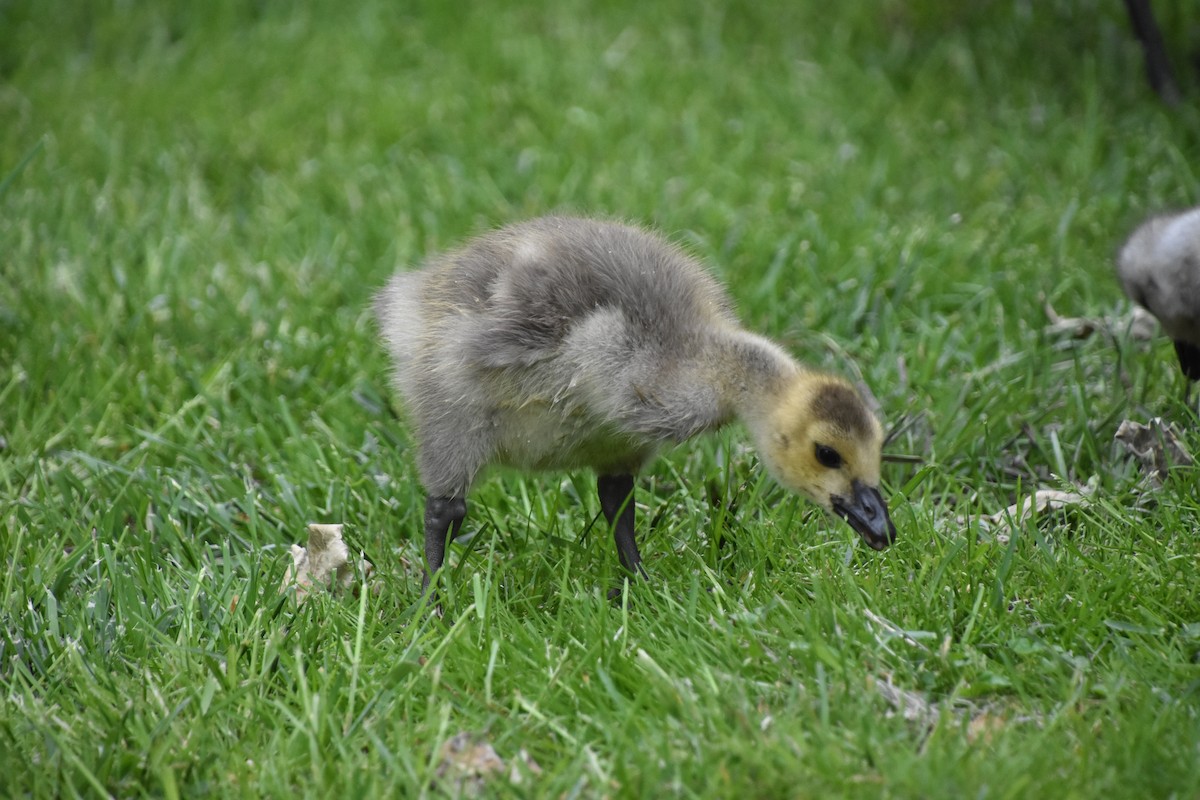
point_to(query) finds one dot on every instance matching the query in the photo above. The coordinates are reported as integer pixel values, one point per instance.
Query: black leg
(1189, 359)
(1158, 64)
(443, 518)
(616, 501)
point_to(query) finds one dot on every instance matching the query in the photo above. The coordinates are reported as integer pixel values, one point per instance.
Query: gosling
(1159, 268)
(562, 343)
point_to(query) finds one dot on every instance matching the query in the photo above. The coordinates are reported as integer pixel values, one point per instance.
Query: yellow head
(820, 440)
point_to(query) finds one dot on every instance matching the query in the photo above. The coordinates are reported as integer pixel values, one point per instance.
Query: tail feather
(397, 308)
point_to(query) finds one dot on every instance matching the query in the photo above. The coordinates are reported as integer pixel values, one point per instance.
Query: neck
(750, 374)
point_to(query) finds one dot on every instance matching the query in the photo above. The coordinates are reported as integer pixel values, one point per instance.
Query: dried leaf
(1156, 447)
(909, 704)
(891, 630)
(983, 727)
(981, 724)
(469, 763)
(1139, 324)
(523, 765)
(1043, 501)
(1071, 327)
(325, 562)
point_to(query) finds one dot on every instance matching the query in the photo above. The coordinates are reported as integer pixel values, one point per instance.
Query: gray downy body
(562, 343)
(1159, 268)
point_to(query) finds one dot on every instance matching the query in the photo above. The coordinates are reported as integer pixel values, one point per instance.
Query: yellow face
(821, 462)
(825, 444)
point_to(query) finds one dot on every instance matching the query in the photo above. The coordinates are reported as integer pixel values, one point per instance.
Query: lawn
(196, 204)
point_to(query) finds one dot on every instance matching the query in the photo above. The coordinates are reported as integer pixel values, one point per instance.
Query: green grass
(199, 199)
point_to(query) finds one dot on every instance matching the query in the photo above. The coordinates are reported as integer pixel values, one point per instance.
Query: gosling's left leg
(616, 501)
(1189, 364)
(1189, 359)
(443, 517)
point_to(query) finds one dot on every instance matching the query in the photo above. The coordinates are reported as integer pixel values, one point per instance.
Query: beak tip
(867, 514)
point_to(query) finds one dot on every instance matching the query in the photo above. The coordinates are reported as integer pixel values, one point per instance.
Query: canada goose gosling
(1159, 268)
(562, 343)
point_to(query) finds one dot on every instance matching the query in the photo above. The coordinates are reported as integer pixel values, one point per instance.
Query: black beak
(867, 513)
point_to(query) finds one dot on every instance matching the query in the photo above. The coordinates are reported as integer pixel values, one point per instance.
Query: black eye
(829, 457)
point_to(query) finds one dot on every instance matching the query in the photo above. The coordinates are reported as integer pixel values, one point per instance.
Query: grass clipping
(324, 563)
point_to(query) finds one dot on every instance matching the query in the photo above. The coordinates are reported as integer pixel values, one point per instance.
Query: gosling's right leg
(616, 501)
(1189, 365)
(452, 449)
(443, 517)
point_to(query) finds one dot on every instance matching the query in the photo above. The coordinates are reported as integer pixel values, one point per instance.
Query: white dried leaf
(913, 706)
(1138, 324)
(1041, 501)
(325, 562)
(1073, 327)
(1069, 327)
(1141, 324)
